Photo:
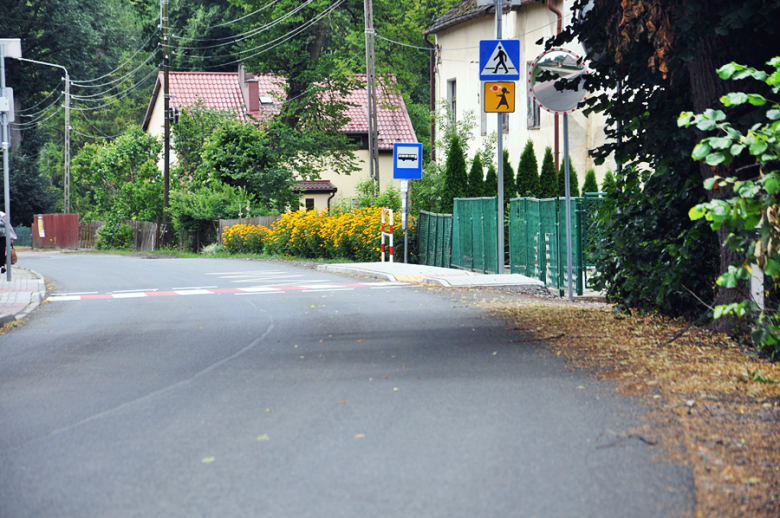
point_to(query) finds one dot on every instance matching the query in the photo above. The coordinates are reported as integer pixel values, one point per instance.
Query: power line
(39, 112)
(84, 116)
(119, 98)
(42, 101)
(243, 36)
(36, 122)
(96, 137)
(123, 64)
(223, 24)
(119, 79)
(245, 16)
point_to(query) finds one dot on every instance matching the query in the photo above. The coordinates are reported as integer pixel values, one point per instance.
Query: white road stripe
(59, 298)
(193, 288)
(261, 293)
(132, 291)
(118, 295)
(65, 294)
(238, 273)
(195, 292)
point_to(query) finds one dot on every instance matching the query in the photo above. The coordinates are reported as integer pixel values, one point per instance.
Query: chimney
(250, 89)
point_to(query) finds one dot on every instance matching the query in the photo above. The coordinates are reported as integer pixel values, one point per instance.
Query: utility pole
(166, 111)
(5, 139)
(373, 140)
(500, 127)
(66, 179)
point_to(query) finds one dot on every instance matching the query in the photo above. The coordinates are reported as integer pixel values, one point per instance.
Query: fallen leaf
(580, 387)
(342, 402)
(396, 388)
(404, 366)
(206, 460)
(751, 480)
(362, 340)
(263, 437)
(360, 436)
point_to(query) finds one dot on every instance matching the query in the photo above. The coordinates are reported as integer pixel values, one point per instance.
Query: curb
(357, 271)
(4, 319)
(37, 298)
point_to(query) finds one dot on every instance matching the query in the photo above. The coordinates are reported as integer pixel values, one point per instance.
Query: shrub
(574, 188)
(528, 173)
(548, 179)
(242, 238)
(115, 235)
(590, 184)
(476, 178)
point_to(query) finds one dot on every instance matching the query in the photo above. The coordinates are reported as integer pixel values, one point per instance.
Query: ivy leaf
(736, 149)
(756, 100)
(701, 150)
(720, 142)
(772, 267)
(685, 119)
(757, 147)
(696, 212)
(773, 114)
(709, 183)
(706, 125)
(771, 184)
(726, 71)
(715, 159)
(734, 98)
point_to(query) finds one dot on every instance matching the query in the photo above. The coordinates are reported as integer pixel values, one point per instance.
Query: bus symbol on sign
(404, 157)
(407, 161)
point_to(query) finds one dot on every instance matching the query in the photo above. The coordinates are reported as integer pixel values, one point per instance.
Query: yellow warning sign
(499, 97)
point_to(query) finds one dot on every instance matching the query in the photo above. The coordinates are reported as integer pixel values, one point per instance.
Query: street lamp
(66, 179)
(12, 47)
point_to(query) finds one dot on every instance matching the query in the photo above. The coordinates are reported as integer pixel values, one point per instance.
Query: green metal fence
(434, 239)
(537, 237)
(591, 203)
(474, 234)
(23, 236)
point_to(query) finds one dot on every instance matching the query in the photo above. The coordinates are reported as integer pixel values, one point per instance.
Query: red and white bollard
(388, 233)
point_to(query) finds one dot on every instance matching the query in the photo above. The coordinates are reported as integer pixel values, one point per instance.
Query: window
(533, 111)
(309, 203)
(452, 98)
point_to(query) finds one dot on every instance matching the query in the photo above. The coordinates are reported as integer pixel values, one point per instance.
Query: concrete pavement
(447, 277)
(21, 295)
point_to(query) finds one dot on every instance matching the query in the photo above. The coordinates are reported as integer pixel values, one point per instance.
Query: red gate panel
(56, 231)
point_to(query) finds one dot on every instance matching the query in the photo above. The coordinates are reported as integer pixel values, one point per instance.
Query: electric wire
(43, 100)
(245, 16)
(222, 25)
(119, 98)
(119, 79)
(95, 137)
(284, 38)
(111, 96)
(44, 109)
(123, 64)
(34, 123)
(84, 116)
(241, 37)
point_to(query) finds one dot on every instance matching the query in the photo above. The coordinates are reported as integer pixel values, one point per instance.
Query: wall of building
(460, 61)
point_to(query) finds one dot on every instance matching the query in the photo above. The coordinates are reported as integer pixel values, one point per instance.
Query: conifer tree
(528, 173)
(510, 188)
(455, 176)
(574, 184)
(490, 187)
(548, 180)
(590, 184)
(609, 183)
(476, 178)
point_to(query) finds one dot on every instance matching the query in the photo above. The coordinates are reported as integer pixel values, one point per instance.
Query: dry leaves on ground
(707, 394)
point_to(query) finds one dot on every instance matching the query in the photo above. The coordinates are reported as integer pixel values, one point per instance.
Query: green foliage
(115, 235)
(528, 173)
(574, 189)
(548, 179)
(491, 182)
(510, 188)
(590, 184)
(366, 195)
(750, 216)
(654, 274)
(120, 178)
(240, 154)
(476, 178)
(196, 124)
(30, 191)
(455, 176)
(425, 194)
(608, 185)
(198, 209)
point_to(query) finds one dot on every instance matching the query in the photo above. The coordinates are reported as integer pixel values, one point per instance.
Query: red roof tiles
(221, 91)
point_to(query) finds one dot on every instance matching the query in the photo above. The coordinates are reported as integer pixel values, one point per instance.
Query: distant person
(3, 228)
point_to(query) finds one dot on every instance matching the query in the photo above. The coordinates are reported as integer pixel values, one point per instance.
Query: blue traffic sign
(499, 60)
(407, 161)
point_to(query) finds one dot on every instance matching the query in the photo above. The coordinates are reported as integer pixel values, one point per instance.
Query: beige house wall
(529, 24)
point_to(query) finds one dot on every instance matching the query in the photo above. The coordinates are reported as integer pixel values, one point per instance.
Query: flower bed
(352, 236)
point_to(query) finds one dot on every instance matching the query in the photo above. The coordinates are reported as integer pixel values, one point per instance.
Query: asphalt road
(329, 401)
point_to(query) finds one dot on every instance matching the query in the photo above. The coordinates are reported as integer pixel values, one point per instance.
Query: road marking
(255, 290)
(192, 288)
(132, 291)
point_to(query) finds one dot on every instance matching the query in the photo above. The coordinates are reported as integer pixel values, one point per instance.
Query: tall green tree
(608, 185)
(590, 184)
(455, 176)
(476, 178)
(510, 188)
(548, 179)
(528, 172)
(491, 182)
(574, 188)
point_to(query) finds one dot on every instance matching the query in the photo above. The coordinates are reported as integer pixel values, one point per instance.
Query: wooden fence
(146, 234)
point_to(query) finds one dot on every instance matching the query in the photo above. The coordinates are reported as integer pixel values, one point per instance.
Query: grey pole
(373, 139)
(6, 190)
(167, 121)
(500, 150)
(568, 201)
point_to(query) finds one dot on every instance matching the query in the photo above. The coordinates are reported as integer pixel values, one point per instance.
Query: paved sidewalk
(21, 295)
(447, 277)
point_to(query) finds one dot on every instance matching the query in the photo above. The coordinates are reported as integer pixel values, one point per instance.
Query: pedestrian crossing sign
(499, 60)
(499, 97)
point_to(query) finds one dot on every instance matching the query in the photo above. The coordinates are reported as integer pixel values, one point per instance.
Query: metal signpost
(551, 67)
(498, 61)
(407, 165)
(11, 48)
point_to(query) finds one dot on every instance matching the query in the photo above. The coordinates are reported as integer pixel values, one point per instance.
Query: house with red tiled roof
(244, 93)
